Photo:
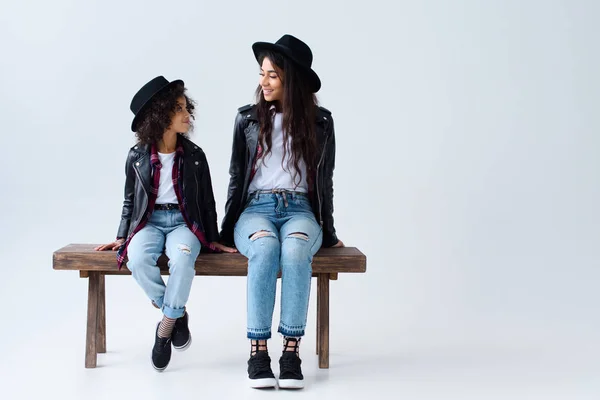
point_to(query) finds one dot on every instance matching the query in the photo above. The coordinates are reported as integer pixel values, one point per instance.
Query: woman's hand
(339, 244)
(224, 248)
(114, 246)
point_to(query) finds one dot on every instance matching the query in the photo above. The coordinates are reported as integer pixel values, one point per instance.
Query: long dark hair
(298, 108)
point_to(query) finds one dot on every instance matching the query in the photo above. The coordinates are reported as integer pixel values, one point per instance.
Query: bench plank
(83, 257)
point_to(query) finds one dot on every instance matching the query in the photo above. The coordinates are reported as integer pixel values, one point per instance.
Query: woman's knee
(264, 244)
(296, 248)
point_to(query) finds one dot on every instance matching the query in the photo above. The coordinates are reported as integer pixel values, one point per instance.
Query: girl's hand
(339, 244)
(224, 248)
(114, 246)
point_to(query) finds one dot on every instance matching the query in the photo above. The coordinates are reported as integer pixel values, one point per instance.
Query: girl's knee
(140, 260)
(183, 253)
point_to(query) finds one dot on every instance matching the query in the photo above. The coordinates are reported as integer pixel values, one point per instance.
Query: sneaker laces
(290, 361)
(162, 344)
(261, 363)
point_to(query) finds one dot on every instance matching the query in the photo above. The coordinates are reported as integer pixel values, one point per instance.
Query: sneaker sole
(185, 346)
(159, 369)
(291, 384)
(263, 383)
(152, 361)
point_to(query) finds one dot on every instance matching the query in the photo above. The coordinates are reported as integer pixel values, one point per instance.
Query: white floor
(212, 371)
(45, 358)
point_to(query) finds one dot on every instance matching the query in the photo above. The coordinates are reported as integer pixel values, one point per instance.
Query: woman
(279, 209)
(169, 207)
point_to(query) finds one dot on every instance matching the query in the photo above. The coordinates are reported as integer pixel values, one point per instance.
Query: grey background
(467, 171)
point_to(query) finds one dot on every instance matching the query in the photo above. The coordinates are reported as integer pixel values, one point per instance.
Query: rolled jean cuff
(173, 313)
(292, 331)
(259, 334)
(157, 303)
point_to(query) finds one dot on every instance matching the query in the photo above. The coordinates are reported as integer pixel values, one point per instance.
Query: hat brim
(311, 76)
(143, 107)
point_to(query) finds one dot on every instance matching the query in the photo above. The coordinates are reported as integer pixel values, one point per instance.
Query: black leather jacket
(243, 154)
(197, 189)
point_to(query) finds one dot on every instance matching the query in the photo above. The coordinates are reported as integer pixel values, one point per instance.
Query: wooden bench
(94, 265)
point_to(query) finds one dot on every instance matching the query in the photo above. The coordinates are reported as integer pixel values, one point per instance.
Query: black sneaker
(181, 337)
(290, 372)
(260, 374)
(161, 352)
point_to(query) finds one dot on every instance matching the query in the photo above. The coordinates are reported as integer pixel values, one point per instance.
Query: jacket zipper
(145, 200)
(198, 202)
(183, 191)
(318, 191)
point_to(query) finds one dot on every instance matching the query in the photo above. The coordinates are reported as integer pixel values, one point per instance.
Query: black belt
(283, 192)
(167, 206)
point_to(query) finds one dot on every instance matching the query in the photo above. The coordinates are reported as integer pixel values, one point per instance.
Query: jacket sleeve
(237, 173)
(329, 236)
(209, 211)
(128, 200)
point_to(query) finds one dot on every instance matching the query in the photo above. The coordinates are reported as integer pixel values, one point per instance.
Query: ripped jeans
(278, 232)
(165, 231)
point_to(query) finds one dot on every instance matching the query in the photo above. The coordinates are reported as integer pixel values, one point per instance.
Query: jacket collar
(250, 112)
(155, 159)
(184, 146)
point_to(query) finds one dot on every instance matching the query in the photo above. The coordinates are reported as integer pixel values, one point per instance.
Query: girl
(279, 209)
(169, 207)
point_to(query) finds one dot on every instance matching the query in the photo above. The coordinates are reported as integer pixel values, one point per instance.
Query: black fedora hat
(146, 93)
(295, 50)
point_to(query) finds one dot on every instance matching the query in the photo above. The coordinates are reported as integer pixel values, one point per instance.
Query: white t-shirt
(269, 171)
(166, 191)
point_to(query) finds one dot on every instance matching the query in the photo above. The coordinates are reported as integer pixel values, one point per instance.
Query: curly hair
(156, 116)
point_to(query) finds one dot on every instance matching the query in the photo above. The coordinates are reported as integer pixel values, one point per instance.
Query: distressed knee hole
(299, 235)
(184, 248)
(261, 234)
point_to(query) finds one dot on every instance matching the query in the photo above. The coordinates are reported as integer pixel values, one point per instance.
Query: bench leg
(323, 319)
(318, 320)
(101, 338)
(92, 320)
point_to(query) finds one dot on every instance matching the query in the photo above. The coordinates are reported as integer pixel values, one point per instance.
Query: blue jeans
(278, 231)
(166, 230)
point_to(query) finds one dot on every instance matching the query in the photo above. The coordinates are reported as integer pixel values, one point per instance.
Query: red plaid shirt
(177, 185)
